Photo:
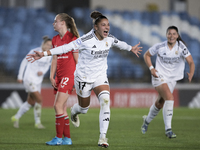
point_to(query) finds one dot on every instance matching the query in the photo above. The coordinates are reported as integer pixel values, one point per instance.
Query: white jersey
(28, 71)
(170, 63)
(93, 53)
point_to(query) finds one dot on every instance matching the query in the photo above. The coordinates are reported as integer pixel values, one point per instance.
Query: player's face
(47, 46)
(57, 24)
(172, 36)
(102, 29)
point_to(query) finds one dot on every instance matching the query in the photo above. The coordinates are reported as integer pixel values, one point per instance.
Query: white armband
(151, 67)
(45, 53)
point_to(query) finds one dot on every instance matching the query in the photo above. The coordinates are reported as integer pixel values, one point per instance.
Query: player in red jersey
(63, 66)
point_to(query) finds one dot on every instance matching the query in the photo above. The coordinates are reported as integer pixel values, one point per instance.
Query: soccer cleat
(103, 142)
(75, 119)
(144, 125)
(66, 141)
(15, 122)
(170, 134)
(39, 126)
(55, 141)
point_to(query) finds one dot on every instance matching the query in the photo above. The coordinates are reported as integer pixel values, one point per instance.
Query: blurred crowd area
(22, 29)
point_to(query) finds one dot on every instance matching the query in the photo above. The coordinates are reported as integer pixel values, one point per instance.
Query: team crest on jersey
(107, 44)
(176, 52)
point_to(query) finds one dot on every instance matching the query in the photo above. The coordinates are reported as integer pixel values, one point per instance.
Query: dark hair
(45, 39)
(70, 23)
(97, 17)
(179, 37)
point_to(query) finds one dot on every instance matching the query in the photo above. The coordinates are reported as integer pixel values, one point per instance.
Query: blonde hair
(46, 39)
(70, 23)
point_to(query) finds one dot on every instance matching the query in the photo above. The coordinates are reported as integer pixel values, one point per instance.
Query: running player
(63, 66)
(170, 64)
(91, 70)
(32, 74)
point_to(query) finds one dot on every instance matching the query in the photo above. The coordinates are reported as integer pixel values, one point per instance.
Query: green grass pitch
(123, 134)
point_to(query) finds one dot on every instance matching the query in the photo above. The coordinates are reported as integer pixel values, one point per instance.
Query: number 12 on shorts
(64, 81)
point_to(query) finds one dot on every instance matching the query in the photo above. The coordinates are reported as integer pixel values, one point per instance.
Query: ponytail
(70, 23)
(97, 16)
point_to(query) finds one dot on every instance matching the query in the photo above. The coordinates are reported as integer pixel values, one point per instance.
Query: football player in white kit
(32, 74)
(170, 65)
(91, 70)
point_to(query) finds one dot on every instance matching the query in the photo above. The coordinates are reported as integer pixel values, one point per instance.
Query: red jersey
(65, 63)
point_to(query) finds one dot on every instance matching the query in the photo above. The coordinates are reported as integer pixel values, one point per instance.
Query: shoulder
(182, 45)
(87, 37)
(113, 38)
(158, 46)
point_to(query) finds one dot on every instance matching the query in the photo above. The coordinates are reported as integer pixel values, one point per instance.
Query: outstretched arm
(136, 50)
(55, 51)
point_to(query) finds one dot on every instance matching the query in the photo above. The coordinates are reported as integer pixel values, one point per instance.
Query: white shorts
(161, 80)
(32, 87)
(84, 89)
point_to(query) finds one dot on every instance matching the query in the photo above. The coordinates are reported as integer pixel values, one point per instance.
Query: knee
(104, 100)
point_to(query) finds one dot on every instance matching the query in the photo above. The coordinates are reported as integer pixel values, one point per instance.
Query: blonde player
(91, 70)
(62, 68)
(32, 74)
(170, 64)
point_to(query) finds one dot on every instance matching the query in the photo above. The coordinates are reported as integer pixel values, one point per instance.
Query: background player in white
(170, 64)
(91, 70)
(32, 74)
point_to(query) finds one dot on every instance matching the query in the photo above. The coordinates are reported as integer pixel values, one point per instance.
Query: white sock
(168, 113)
(153, 111)
(37, 113)
(104, 115)
(23, 109)
(75, 109)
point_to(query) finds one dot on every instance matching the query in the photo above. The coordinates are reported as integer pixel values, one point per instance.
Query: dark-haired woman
(62, 68)
(31, 75)
(91, 70)
(170, 64)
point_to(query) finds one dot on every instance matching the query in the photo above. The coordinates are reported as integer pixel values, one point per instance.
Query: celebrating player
(64, 66)
(170, 64)
(32, 74)
(91, 70)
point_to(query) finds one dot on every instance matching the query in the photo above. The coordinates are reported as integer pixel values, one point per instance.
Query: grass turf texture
(123, 134)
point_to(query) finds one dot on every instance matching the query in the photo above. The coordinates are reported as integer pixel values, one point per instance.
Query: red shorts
(64, 84)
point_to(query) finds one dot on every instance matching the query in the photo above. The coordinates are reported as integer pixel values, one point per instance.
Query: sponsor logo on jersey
(62, 57)
(100, 53)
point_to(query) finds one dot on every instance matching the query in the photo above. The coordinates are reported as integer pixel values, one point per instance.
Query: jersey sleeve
(154, 49)
(120, 44)
(185, 51)
(74, 45)
(75, 51)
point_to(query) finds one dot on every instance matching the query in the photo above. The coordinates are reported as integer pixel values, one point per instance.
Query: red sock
(66, 130)
(59, 125)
